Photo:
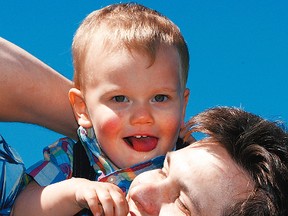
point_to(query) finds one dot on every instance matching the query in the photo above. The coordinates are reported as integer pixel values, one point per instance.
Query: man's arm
(31, 91)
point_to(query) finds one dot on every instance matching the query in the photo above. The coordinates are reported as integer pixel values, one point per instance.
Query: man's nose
(141, 114)
(148, 197)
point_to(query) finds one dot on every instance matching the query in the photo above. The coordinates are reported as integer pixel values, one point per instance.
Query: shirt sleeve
(12, 177)
(57, 164)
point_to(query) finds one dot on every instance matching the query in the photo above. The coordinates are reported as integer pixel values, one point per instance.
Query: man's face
(200, 179)
(135, 108)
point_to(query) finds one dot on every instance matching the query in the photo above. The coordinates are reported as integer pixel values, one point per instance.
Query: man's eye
(120, 98)
(160, 98)
(183, 207)
(163, 172)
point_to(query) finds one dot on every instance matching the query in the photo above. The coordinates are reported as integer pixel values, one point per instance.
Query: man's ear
(79, 107)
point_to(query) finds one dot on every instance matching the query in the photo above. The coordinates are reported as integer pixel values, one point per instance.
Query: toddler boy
(129, 99)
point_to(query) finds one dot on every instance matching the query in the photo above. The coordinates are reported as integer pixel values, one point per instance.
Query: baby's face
(136, 109)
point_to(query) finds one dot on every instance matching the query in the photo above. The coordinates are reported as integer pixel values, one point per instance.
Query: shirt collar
(105, 170)
(98, 159)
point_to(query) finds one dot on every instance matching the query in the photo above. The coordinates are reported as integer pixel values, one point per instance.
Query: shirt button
(112, 179)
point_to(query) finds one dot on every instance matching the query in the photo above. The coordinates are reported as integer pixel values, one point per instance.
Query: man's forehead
(209, 175)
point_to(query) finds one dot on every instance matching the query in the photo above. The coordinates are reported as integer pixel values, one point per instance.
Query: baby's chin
(137, 158)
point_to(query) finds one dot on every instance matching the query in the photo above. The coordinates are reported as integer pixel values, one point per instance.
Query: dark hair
(260, 147)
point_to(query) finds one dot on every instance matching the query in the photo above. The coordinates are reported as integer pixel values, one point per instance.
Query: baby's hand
(101, 198)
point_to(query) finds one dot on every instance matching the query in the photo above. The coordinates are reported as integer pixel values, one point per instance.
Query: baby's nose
(141, 114)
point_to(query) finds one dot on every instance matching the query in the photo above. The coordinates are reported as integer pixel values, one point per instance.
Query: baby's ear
(185, 103)
(79, 107)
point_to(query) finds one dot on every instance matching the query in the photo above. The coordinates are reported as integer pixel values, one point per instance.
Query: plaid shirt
(58, 163)
(12, 177)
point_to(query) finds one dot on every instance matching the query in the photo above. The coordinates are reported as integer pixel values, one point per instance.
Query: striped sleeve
(57, 164)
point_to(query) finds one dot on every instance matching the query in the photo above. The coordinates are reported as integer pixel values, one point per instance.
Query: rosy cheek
(173, 118)
(172, 125)
(109, 125)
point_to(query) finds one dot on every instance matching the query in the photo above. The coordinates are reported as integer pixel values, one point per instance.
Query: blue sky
(238, 51)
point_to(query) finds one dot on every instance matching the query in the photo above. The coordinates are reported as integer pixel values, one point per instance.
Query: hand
(101, 198)
(184, 139)
(185, 134)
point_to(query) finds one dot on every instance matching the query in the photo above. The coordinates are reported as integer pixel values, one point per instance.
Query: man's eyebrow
(185, 188)
(195, 203)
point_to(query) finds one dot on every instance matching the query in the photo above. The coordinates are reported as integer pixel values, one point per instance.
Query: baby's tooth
(139, 136)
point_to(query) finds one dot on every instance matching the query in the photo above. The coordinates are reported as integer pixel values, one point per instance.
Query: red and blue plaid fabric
(58, 163)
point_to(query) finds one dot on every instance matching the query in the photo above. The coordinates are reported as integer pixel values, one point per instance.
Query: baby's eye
(160, 98)
(120, 98)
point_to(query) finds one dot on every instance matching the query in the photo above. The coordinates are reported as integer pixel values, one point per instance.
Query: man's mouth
(131, 214)
(142, 143)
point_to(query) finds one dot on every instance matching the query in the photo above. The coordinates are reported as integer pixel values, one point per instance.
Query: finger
(107, 203)
(93, 202)
(186, 136)
(120, 203)
(83, 197)
(97, 210)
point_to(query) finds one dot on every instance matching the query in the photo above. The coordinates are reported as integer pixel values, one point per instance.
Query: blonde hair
(132, 26)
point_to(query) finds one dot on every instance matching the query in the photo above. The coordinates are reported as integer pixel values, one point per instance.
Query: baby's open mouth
(142, 143)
